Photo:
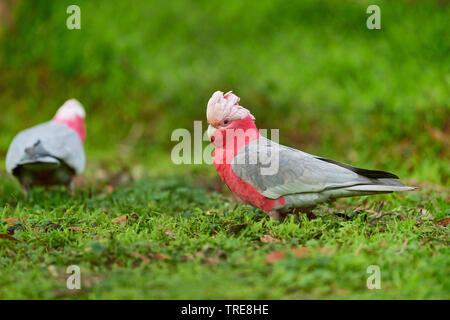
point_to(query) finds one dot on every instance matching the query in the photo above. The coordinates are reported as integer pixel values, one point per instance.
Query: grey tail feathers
(372, 174)
(383, 182)
(382, 185)
(379, 188)
(37, 153)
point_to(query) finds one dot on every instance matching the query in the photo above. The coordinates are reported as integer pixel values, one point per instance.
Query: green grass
(310, 68)
(374, 99)
(181, 241)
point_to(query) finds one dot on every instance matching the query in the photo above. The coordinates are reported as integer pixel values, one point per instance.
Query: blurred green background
(373, 98)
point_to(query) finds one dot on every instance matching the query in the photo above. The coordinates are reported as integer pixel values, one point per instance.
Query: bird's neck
(241, 133)
(76, 123)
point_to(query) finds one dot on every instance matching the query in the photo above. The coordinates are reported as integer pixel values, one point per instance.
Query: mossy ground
(168, 238)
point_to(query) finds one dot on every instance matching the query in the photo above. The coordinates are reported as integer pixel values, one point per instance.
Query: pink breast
(245, 191)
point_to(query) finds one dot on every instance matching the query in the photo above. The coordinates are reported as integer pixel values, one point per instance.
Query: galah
(50, 153)
(277, 179)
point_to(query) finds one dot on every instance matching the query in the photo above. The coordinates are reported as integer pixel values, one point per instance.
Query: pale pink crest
(70, 109)
(225, 106)
(72, 114)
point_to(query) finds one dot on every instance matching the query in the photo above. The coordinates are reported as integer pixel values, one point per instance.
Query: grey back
(292, 171)
(46, 142)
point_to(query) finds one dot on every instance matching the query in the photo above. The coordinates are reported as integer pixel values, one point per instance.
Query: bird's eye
(225, 122)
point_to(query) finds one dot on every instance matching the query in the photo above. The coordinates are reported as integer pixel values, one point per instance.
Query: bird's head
(72, 114)
(225, 116)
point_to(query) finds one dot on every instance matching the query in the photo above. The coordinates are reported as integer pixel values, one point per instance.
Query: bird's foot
(281, 216)
(71, 188)
(278, 216)
(26, 191)
(308, 211)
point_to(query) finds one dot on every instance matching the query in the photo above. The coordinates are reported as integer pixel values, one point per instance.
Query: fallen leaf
(275, 256)
(424, 212)
(74, 228)
(300, 251)
(80, 181)
(236, 228)
(160, 256)
(340, 291)
(51, 268)
(10, 252)
(188, 257)
(121, 220)
(437, 134)
(134, 215)
(7, 236)
(77, 229)
(212, 228)
(268, 239)
(444, 222)
(139, 256)
(212, 260)
(109, 189)
(324, 250)
(203, 251)
(170, 233)
(10, 221)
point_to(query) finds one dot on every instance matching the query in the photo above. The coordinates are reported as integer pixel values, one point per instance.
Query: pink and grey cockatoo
(277, 179)
(50, 153)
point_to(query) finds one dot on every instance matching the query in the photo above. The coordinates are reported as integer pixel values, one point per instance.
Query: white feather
(379, 188)
(70, 109)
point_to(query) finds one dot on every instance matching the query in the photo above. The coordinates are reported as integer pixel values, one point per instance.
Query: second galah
(277, 179)
(50, 153)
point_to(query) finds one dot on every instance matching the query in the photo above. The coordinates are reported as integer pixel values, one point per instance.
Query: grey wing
(279, 170)
(55, 141)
